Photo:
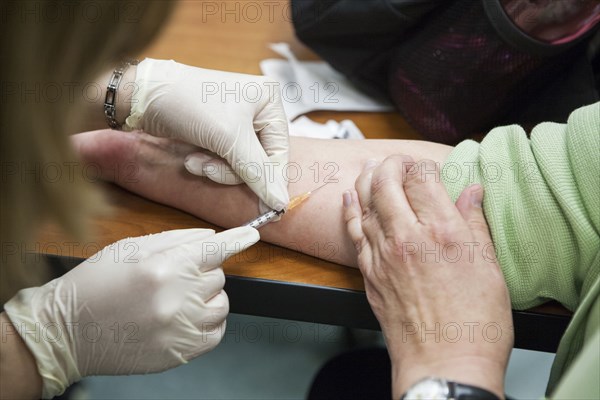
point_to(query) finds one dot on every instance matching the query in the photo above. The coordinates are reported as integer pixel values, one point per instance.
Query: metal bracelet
(110, 101)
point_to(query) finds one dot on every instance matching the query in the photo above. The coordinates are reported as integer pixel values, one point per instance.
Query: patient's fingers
(388, 197)
(428, 196)
(353, 219)
(363, 184)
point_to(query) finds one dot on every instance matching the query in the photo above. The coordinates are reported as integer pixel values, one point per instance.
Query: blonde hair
(51, 50)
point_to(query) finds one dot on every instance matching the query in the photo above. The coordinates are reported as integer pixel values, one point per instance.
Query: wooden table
(271, 281)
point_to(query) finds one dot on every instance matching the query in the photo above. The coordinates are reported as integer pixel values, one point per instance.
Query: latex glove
(140, 305)
(237, 117)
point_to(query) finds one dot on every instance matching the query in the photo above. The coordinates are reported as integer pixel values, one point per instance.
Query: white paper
(306, 127)
(314, 85)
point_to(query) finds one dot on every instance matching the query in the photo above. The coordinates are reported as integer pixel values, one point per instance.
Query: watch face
(428, 389)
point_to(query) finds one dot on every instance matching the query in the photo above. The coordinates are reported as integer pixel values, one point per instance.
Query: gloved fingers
(273, 133)
(209, 335)
(279, 162)
(271, 124)
(137, 248)
(264, 208)
(262, 175)
(208, 317)
(217, 308)
(205, 315)
(272, 128)
(213, 167)
(207, 302)
(226, 244)
(210, 283)
(211, 252)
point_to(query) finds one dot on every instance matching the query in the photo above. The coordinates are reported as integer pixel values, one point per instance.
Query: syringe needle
(297, 200)
(314, 190)
(272, 215)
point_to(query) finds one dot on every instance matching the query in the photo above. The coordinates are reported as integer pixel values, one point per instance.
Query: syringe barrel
(269, 216)
(264, 219)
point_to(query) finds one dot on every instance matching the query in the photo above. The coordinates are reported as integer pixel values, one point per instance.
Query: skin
(17, 366)
(397, 295)
(396, 216)
(160, 176)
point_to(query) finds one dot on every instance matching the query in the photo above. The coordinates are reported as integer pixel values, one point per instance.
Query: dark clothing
(452, 68)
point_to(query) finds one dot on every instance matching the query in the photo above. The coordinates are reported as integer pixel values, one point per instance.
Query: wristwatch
(432, 388)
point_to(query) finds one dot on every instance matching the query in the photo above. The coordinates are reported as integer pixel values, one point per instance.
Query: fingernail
(476, 195)
(347, 198)
(370, 164)
(193, 165)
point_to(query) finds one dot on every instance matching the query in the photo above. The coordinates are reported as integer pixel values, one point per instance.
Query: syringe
(264, 219)
(270, 216)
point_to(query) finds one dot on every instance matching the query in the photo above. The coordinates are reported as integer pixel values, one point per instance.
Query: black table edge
(350, 308)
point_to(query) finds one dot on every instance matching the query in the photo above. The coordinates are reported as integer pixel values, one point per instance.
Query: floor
(263, 358)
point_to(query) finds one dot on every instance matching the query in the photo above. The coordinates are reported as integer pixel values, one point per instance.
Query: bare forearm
(19, 378)
(160, 176)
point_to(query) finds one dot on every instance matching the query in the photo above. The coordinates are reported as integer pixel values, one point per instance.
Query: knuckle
(369, 215)
(360, 181)
(397, 246)
(380, 182)
(276, 125)
(360, 244)
(429, 171)
(220, 278)
(401, 159)
(214, 339)
(412, 172)
(221, 308)
(480, 226)
(442, 233)
(153, 274)
(351, 218)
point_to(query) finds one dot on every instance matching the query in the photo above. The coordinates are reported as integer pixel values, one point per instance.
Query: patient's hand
(153, 167)
(399, 213)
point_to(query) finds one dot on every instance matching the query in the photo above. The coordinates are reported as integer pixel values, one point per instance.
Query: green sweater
(542, 203)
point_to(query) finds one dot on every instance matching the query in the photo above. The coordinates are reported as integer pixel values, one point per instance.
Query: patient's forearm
(159, 175)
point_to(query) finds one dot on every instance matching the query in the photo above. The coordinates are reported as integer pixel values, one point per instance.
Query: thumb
(469, 204)
(252, 164)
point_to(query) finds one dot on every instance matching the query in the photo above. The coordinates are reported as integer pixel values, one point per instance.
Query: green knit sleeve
(542, 203)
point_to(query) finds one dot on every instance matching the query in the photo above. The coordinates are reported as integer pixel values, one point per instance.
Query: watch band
(110, 101)
(432, 388)
(460, 391)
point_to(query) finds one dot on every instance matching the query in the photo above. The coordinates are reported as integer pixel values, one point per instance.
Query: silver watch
(433, 388)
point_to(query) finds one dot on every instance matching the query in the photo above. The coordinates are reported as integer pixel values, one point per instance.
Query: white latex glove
(238, 117)
(140, 305)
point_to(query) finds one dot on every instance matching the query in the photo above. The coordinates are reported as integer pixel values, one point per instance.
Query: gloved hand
(237, 117)
(140, 305)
